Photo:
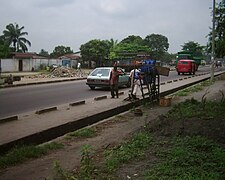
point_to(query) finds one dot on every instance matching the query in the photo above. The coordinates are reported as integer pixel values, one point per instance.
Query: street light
(213, 43)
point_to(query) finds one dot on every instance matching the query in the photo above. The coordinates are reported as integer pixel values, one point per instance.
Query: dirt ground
(111, 132)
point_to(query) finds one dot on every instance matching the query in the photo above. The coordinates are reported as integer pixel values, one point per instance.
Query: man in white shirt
(135, 81)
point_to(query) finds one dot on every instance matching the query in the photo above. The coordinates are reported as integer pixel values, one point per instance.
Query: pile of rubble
(64, 72)
(61, 71)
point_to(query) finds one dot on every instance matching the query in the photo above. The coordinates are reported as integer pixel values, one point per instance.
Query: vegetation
(43, 53)
(192, 108)
(83, 133)
(158, 44)
(189, 158)
(22, 153)
(194, 47)
(95, 50)
(194, 88)
(14, 35)
(60, 51)
(133, 149)
(173, 156)
(219, 31)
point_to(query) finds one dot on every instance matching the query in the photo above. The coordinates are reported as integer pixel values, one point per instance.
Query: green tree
(132, 39)
(219, 31)
(158, 44)
(128, 51)
(95, 50)
(193, 47)
(4, 50)
(14, 35)
(60, 51)
(112, 43)
(128, 48)
(43, 53)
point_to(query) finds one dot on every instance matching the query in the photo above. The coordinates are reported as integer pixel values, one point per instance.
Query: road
(14, 101)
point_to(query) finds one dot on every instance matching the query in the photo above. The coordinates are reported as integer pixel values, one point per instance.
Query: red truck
(186, 66)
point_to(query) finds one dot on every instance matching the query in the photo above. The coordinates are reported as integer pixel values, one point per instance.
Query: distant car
(186, 66)
(99, 77)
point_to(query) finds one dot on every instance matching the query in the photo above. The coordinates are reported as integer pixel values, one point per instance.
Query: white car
(99, 77)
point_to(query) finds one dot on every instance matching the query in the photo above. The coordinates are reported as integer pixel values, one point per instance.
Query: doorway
(20, 65)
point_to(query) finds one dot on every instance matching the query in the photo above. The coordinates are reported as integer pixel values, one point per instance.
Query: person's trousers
(114, 88)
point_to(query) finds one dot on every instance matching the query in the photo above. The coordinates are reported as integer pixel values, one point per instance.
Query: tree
(128, 51)
(60, 51)
(132, 39)
(219, 31)
(95, 50)
(14, 35)
(158, 44)
(43, 53)
(193, 47)
(4, 50)
(128, 48)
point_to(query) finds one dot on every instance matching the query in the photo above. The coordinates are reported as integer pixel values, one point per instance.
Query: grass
(83, 133)
(192, 108)
(127, 151)
(190, 158)
(194, 88)
(21, 154)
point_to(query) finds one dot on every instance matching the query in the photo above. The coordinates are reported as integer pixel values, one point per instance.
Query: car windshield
(183, 62)
(100, 72)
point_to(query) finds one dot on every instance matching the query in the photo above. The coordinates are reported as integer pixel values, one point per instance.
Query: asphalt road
(14, 101)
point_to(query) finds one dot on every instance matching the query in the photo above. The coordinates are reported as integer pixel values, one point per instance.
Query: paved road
(18, 100)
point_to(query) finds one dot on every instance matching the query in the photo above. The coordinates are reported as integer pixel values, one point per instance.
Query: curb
(100, 98)
(46, 110)
(77, 103)
(12, 118)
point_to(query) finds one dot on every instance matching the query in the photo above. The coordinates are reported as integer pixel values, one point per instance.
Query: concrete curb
(100, 98)
(12, 118)
(46, 110)
(77, 103)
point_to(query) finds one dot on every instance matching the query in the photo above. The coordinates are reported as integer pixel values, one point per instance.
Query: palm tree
(14, 36)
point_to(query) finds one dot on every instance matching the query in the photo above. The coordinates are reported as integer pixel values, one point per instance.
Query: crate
(165, 101)
(163, 70)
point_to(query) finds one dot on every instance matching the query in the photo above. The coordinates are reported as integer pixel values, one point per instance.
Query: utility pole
(213, 43)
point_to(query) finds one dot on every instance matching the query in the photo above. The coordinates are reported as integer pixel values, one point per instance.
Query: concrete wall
(9, 65)
(12, 65)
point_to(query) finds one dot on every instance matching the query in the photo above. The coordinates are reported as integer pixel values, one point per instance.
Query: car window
(100, 72)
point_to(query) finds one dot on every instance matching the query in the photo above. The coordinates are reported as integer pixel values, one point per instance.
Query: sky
(71, 23)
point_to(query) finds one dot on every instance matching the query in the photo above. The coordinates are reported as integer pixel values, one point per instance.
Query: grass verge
(21, 154)
(189, 158)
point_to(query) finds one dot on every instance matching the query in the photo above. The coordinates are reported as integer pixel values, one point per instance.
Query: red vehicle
(186, 66)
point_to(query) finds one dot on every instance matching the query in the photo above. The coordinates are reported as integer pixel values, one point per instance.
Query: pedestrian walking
(114, 80)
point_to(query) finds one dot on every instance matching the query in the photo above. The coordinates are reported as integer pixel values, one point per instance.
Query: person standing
(114, 80)
(79, 69)
(135, 81)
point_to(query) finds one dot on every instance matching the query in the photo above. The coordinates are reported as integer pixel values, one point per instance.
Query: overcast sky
(50, 23)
